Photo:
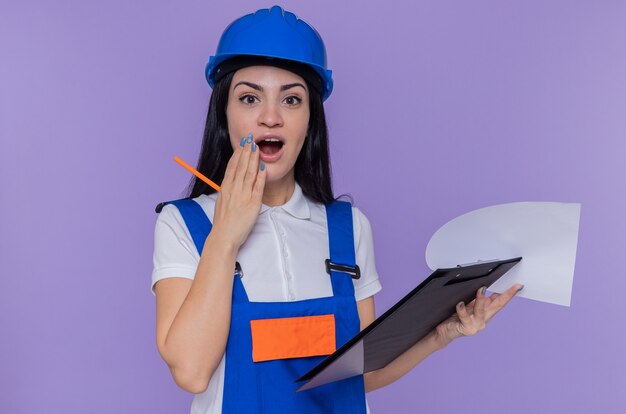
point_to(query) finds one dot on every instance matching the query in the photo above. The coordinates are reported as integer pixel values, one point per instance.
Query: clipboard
(408, 321)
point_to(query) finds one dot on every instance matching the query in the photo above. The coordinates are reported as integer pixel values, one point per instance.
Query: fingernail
(249, 138)
(520, 288)
(243, 141)
(482, 290)
(461, 305)
(253, 147)
(262, 166)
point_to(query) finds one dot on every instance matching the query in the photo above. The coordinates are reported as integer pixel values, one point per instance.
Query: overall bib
(270, 344)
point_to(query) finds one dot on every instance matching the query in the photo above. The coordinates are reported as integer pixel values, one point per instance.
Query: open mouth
(270, 146)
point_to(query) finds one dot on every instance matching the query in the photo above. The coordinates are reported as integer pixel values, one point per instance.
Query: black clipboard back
(408, 321)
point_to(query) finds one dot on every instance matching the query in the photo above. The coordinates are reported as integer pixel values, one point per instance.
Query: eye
(248, 99)
(293, 100)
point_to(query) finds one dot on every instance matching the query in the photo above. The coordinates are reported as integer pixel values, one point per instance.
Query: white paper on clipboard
(545, 234)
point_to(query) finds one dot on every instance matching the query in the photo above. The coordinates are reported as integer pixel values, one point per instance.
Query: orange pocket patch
(299, 337)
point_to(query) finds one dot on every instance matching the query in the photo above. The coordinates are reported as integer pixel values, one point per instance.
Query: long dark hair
(312, 169)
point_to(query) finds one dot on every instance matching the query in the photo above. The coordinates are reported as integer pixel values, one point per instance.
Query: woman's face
(272, 104)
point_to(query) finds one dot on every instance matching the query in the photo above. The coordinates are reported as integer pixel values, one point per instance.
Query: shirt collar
(297, 206)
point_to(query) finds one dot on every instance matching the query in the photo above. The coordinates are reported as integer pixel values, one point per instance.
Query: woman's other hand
(472, 318)
(239, 202)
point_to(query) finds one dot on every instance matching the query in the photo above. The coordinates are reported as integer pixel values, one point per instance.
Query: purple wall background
(439, 108)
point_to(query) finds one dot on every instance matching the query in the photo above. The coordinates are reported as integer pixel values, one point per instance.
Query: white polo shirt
(282, 260)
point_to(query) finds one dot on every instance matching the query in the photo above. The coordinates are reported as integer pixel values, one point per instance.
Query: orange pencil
(196, 173)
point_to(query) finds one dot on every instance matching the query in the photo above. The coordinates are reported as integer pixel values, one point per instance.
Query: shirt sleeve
(175, 254)
(368, 284)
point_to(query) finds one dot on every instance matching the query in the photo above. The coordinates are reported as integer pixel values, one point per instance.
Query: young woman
(244, 301)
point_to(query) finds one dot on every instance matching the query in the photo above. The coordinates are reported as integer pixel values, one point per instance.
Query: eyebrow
(260, 88)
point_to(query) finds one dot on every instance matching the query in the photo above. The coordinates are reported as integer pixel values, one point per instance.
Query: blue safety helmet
(274, 35)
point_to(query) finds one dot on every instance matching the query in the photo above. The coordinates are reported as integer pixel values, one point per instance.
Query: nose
(270, 115)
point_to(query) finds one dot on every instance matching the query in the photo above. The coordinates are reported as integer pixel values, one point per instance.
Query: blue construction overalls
(268, 386)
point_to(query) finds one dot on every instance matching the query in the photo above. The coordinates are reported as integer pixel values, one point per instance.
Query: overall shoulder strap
(196, 220)
(342, 263)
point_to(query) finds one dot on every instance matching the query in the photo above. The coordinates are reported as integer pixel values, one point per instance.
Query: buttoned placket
(284, 253)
